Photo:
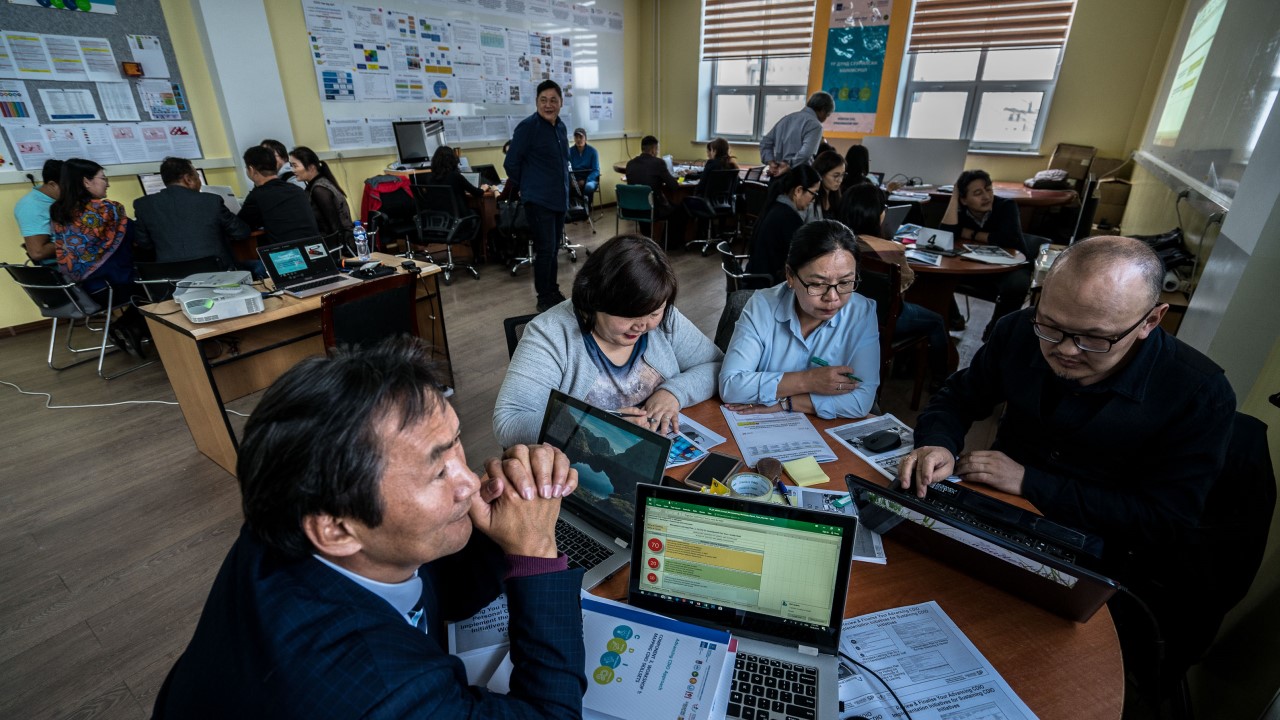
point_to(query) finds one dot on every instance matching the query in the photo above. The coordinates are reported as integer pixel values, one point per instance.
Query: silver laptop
(226, 193)
(893, 217)
(775, 576)
(613, 458)
(936, 240)
(302, 268)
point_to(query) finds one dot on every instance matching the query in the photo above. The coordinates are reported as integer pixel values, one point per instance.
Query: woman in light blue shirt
(786, 332)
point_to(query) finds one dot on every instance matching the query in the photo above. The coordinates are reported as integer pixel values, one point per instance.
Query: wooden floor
(114, 525)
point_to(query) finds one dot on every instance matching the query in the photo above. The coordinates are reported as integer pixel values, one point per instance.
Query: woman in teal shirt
(785, 333)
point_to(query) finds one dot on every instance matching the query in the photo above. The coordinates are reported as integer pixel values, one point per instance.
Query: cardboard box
(1113, 196)
(1107, 167)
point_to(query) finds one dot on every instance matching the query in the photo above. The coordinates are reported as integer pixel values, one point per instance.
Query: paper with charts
(886, 463)
(782, 435)
(934, 668)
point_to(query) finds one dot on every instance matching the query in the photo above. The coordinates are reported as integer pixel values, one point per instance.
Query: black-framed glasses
(844, 287)
(811, 192)
(1086, 343)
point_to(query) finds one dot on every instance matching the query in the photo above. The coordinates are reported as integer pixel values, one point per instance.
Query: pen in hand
(815, 360)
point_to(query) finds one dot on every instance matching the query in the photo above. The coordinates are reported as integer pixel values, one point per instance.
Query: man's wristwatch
(785, 403)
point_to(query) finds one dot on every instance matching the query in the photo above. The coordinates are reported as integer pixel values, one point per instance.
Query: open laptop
(302, 268)
(936, 241)
(894, 215)
(776, 576)
(488, 174)
(876, 178)
(613, 458)
(1014, 549)
(226, 193)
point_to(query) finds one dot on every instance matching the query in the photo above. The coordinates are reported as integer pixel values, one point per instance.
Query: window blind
(751, 28)
(948, 25)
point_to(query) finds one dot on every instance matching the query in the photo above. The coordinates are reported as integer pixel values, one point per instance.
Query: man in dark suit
(283, 210)
(357, 548)
(649, 169)
(182, 223)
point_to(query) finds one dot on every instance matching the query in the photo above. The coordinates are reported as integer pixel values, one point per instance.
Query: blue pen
(815, 360)
(782, 490)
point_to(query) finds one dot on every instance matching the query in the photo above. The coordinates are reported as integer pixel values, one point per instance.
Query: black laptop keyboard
(313, 284)
(583, 550)
(768, 689)
(946, 507)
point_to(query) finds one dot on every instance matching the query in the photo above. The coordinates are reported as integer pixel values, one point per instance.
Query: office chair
(61, 299)
(881, 281)
(715, 201)
(635, 203)
(579, 210)
(735, 277)
(755, 174)
(158, 279)
(364, 314)
(513, 327)
(587, 199)
(441, 220)
(752, 198)
(395, 220)
(734, 303)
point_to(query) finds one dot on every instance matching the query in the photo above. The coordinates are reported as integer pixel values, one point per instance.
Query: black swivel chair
(441, 220)
(735, 277)
(587, 200)
(364, 314)
(395, 220)
(513, 327)
(752, 198)
(715, 201)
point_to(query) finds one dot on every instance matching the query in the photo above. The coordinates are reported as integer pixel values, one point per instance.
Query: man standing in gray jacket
(795, 138)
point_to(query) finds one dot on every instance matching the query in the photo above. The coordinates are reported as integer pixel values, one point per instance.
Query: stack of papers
(990, 254)
(782, 435)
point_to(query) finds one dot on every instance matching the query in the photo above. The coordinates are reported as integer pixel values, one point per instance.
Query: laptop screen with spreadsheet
(777, 570)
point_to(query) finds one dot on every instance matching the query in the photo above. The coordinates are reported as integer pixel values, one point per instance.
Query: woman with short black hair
(810, 344)
(619, 343)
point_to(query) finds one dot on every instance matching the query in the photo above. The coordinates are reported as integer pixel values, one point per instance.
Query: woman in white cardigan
(619, 343)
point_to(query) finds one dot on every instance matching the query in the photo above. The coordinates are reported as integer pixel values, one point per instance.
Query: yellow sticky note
(805, 472)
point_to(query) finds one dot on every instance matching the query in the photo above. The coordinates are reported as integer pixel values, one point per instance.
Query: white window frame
(973, 90)
(759, 90)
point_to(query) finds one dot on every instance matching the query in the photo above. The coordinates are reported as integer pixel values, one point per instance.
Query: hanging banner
(857, 36)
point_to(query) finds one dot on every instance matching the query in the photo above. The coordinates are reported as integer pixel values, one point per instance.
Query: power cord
(48, 403)
(876, 675)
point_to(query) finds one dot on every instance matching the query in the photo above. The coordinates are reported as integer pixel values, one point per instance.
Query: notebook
(894, 215)
(613, 458)
(775, 576)
(302, 268)
(228, 196)
(1014, 549)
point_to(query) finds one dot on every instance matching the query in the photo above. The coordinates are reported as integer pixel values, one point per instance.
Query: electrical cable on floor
(48, 403)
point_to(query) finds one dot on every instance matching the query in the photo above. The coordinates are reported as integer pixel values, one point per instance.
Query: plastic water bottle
(362, 241)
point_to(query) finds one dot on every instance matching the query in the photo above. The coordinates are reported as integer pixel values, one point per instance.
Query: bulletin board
(406, 60)
(122, 120)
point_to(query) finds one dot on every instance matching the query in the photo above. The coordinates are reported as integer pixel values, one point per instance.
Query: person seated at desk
(718, 158)
(857, 160)
(284, 169)
(831, 168)
(619, 343)
(649, 169)
(93, 244)
(446, 170)
(328, 202)
(283, 210)
(862, 213)
(976, 215)
(1110, 425)
(32, 213)
(583, 157)
(358, 546)
(182, 223)
(782, 217)
(814, 314)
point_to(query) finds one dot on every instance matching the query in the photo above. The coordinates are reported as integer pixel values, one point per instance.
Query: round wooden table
(935, 287)
(1060, 669)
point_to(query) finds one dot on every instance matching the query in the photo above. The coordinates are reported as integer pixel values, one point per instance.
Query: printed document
(782, 435)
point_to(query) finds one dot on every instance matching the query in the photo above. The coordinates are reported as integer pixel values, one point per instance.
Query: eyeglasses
(844, 287)
(1086, 343)
(811, 192)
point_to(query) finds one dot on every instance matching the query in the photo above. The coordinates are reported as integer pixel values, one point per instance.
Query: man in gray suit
(181, 222)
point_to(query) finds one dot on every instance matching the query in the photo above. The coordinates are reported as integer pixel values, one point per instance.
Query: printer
(207, 297)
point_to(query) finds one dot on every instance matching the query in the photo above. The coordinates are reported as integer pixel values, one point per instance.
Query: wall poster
(857, 36)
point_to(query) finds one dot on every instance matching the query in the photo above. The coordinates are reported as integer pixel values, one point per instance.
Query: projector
(207, 297)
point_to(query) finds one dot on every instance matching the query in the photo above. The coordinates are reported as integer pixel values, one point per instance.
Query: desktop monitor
(152, 184)
(417, 140)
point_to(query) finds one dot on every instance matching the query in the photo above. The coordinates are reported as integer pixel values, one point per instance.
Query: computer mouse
(881, 441)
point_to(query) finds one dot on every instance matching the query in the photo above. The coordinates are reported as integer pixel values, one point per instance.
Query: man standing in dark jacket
(538, 165)
(181, 222)
(1111, 426)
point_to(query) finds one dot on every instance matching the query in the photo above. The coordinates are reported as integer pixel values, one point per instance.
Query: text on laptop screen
(288, 261)
(726, 558)
(610, 460)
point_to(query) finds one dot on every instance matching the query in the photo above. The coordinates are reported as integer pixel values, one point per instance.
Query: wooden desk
(1060, 669)
(1029, 201)
(209, 364)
